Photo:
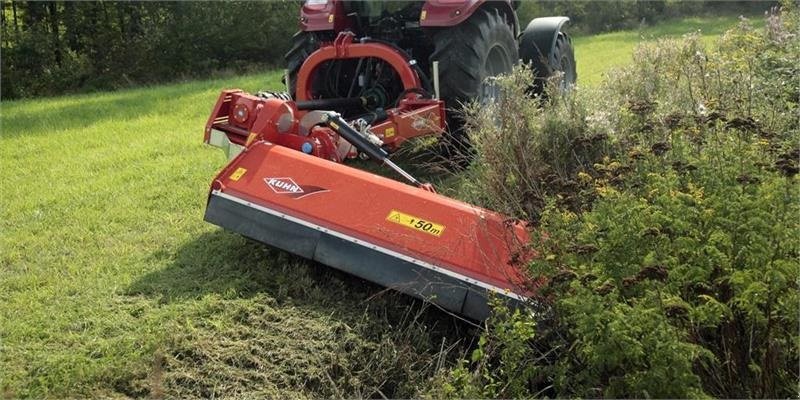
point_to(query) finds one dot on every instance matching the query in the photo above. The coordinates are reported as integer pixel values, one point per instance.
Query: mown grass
(598, 54)
(111, 283)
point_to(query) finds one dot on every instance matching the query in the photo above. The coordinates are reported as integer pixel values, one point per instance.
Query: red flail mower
(363, 77)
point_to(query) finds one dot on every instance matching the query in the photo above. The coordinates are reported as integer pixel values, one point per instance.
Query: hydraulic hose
(335, 122)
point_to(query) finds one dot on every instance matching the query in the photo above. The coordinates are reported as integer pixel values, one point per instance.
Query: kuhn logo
(288, 187)
(283, 185)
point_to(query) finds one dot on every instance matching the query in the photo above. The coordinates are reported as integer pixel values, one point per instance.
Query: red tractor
(363, 77)
(452, 46)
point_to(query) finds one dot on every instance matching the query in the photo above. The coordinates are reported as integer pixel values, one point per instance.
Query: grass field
(599, 54)
(111, 284)
(109, 274)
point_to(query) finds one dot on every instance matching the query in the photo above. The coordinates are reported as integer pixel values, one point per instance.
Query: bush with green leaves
(667, 208)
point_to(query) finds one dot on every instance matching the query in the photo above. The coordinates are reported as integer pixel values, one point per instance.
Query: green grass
(598, 54)
(111, 283)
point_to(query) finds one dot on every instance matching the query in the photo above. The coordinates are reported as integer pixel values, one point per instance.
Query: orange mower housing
(285, 185)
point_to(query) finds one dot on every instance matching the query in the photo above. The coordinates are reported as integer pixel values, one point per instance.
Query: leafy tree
(56, 47)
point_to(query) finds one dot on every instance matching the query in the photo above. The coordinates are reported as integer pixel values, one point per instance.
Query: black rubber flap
(360, 259)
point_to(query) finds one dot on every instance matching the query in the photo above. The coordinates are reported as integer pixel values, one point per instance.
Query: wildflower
(605, 191)
(701, 109)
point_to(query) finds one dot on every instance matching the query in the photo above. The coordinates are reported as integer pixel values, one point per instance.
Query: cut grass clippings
(112, 283)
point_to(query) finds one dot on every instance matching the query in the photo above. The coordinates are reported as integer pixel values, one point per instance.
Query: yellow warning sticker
(389, 132)
(423, 15)
(237, 174)
(252, 136)
(415, 223)
(330, 18)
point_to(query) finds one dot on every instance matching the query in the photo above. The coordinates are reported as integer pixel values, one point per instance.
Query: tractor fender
(438, 13)
(324, 16)
(538, 40)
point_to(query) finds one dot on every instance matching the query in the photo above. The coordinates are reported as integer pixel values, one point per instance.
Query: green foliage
(676, 273)
(56, 47)
(678, 280)
(527, 153)
(503, 362)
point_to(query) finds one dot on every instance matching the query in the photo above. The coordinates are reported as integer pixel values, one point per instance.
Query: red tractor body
(331, 15)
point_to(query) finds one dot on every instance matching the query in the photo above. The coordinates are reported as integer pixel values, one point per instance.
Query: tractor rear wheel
(481, 47)
(566, 61)
(563, 62)
(303, 44)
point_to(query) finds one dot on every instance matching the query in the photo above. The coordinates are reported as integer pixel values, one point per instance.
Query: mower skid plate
(430, 246)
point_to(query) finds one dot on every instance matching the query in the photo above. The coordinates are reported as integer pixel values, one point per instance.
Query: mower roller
(358, 96)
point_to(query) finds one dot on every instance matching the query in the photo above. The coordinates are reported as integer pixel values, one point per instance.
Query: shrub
(676, 273)
(527, 154)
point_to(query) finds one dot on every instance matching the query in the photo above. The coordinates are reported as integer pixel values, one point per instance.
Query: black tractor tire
(303, 44)
(564, 56)
(480, 47)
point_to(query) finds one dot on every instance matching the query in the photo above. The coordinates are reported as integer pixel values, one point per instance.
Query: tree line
(57, 47)
(63, 46)
(588, 17)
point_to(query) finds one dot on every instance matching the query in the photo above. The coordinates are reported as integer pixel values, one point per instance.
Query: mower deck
(406, 238)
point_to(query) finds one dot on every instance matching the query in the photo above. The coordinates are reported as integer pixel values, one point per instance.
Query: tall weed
(667, 207)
